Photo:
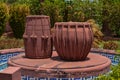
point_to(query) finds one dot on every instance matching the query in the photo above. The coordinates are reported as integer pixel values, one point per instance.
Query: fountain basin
(94, 65)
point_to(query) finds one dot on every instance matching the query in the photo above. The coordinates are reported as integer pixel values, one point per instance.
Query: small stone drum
(37, 37)
(73, 40)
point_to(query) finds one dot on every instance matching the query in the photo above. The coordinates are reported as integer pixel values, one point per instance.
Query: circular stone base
(94, 65)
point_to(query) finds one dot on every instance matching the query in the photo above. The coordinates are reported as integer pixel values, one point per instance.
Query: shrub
(11, 1)
(33, 4)
(7, 43)
(110, 45)
(96, 32)
(18, 13)
(3, 0)
(53, 9)
(113, 75)
(3, 17)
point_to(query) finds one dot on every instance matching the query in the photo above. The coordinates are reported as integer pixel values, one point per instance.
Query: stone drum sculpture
(73, 40)
(37, 37)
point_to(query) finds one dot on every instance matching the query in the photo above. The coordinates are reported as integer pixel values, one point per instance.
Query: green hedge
(8, 43)
(18, 13)
(3, 16)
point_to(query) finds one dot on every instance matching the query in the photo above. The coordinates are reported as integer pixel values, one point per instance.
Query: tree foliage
(110, 16)
(106, 13)
(96, 32)
(3, 16)
(18, 13)
(53, 8)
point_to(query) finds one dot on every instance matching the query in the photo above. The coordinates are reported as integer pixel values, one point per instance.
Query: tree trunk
(105, 28)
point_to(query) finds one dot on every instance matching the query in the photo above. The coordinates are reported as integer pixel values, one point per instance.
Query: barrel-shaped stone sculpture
(72, 40)
(37, 37)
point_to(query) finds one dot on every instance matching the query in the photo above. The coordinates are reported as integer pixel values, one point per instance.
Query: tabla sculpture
(37, 38)
(73, 40)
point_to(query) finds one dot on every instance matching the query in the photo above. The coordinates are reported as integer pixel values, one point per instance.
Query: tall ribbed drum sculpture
(73, 40)
(37, 37)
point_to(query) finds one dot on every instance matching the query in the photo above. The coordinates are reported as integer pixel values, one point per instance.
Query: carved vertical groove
(73, 40)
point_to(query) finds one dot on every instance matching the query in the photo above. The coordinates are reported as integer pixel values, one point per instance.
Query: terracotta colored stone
(13, 50)
(37, 37)
(73, 40)
(11, 73)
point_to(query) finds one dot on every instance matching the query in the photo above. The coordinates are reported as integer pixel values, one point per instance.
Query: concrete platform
(94, 65)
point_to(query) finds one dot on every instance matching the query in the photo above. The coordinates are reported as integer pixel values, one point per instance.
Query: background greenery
(3, 16)
(106, 13)
(18, 13)
(7, 43)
